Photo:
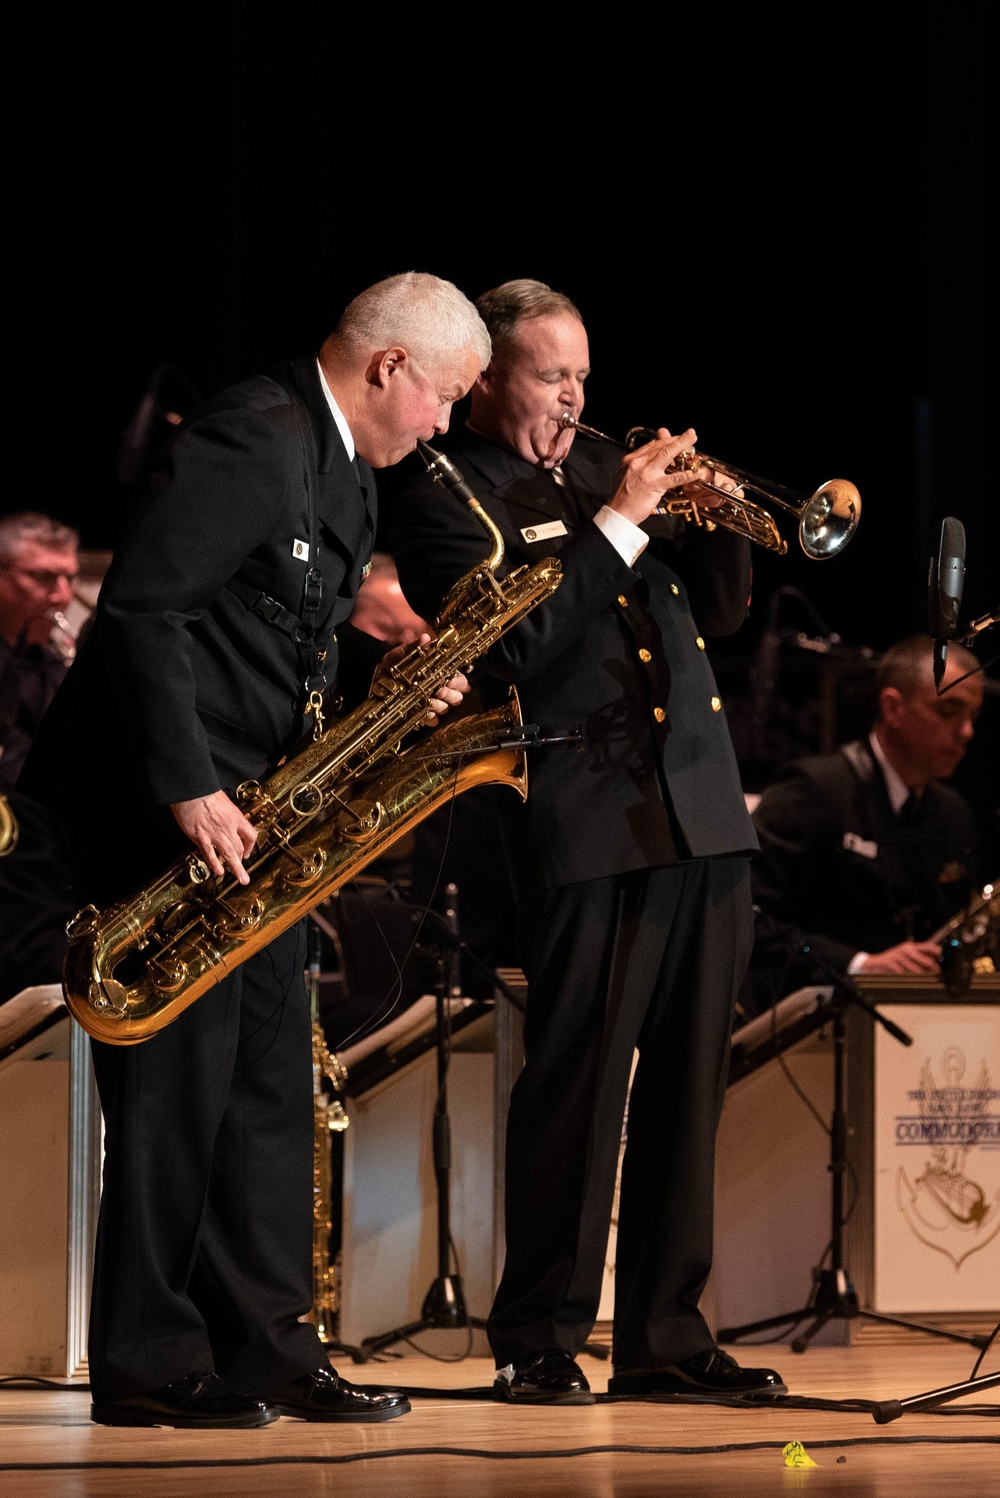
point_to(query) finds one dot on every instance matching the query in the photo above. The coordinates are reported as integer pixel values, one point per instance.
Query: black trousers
(204, 1245)
(651, 960)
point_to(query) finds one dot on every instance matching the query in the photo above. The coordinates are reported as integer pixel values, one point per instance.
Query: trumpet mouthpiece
(567, 419)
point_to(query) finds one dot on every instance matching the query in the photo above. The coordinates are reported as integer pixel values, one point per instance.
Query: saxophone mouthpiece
(443, 471)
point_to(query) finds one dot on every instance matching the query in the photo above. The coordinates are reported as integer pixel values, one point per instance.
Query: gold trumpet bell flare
(830, 519)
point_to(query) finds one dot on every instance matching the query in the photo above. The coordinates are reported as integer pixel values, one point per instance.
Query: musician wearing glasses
(630, 861)
(866, 852)
(38, 566)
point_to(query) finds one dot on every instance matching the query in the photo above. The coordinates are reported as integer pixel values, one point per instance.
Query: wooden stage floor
(457, 1444)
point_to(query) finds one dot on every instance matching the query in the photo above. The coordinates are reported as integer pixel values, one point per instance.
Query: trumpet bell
(829, 519)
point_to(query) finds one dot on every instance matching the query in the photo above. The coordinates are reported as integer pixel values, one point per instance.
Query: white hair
(428, 317)
(30, 527)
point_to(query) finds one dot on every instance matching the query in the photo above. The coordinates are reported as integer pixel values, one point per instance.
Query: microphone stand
(444, 1304)
(834, 1297)
(890, 1409)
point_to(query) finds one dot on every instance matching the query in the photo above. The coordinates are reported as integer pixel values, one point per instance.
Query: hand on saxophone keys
(447, 694)
(219, 831)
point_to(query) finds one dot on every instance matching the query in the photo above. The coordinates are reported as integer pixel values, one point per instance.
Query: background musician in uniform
(630, 861)
(39, 562)
(225, 606)
(866, 852)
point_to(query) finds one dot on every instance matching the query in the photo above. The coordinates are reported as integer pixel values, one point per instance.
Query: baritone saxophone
(320, 818)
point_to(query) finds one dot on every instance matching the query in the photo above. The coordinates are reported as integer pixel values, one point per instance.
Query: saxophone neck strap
(314, 657)
(312, 587)
(271, 611)
(301, 627)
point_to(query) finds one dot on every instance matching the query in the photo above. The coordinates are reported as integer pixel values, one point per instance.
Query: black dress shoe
(542, 1378)
(199, 1401)
(324, 1396)
(704, 1376)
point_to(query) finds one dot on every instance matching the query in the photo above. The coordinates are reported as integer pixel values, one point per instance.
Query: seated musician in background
(865, 852)
(39, 562)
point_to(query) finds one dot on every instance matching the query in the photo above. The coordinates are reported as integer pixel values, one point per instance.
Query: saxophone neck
(443, 471)
(496, 555)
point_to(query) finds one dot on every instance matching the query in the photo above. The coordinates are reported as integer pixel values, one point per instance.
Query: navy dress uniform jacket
(840, 873)
(617, 652)
(181, 688)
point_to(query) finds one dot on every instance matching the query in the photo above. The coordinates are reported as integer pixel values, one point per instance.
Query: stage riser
(49, 1187)
(389, 1255)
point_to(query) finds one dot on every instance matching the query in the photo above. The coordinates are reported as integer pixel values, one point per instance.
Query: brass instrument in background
(827, 519)
(320, 818)
(8, 827)
(970, 941)
(329, 1117)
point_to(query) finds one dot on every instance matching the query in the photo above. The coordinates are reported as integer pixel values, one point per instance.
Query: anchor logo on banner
(944, 1206)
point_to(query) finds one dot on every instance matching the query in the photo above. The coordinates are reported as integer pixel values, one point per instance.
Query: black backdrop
(775, 223)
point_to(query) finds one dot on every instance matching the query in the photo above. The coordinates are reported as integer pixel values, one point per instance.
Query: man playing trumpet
(630, 861)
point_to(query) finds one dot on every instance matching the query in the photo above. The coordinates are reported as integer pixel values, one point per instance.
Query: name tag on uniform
(544, 532)
(300, 551)
(855, 844)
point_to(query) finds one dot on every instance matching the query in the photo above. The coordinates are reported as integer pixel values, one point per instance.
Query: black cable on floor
(346, 1458)
(780, 1402)
(32, 1381)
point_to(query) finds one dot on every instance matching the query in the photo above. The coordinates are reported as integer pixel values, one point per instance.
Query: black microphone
(945, 579)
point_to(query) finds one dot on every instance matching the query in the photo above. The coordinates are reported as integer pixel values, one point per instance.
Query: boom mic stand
(834, 1297)
(444, 1304)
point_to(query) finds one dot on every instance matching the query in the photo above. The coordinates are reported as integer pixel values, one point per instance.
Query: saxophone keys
(306, 871)
(306, 799)
(364, 824)
(236, 925)
(107, 996)
(83, 924)
(167, 974)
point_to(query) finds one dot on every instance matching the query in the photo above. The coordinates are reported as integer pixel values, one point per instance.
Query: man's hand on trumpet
(649, 477)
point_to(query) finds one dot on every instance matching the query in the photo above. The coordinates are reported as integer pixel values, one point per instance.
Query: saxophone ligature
(320, 818)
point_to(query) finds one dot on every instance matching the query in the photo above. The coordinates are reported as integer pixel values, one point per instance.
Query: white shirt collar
(896, 788)
(337, 414)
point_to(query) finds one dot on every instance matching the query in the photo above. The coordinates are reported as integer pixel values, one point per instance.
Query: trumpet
(827, 519)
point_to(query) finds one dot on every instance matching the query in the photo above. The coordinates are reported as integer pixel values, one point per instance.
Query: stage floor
(458, 1443)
